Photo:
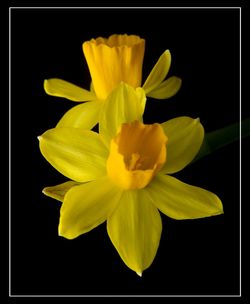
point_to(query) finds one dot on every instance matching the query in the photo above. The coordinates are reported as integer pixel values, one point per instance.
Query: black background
(199, 257)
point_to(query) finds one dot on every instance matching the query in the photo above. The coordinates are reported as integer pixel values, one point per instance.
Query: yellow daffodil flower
(111, 61)
(121, 175)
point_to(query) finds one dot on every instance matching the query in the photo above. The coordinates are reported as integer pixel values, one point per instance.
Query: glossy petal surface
(135, 229)
(58, 192)
(182, 201)
(124, 104)
(87, 206)
(84, 116)
(158, 73)
(185, 136)
(61, 88)
(78, 154)
(166, 89)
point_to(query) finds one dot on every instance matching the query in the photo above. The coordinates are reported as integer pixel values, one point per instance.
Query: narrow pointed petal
(135, 229)
(78, 154)
(84, 116)
(87, 206)
(58, 192)
(124, 104)
(166, 89)
(61, 88)
(182, 201)
(185, 136)
(158, 73)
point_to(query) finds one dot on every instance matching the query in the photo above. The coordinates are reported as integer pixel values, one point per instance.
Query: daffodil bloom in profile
(111, 61)
(121, 175)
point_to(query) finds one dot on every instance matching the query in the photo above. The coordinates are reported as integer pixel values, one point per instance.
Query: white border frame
(119, 296)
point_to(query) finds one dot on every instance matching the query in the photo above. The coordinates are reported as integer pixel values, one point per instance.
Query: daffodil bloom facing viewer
(121, 175)
(111, 61)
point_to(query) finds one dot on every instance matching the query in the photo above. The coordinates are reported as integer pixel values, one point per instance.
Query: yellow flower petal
(110, 61)
(166, 89)
(92, 87)
(137, 153)
(182, 201)
(158, 73)
(78, 154)
(185, 136)
(87, 206)
(61, 88)
(58, 192)
(84, 116)
(124, 104)
(135, 229)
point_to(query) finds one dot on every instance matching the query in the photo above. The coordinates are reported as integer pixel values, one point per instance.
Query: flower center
(111, 61)
(137, 153)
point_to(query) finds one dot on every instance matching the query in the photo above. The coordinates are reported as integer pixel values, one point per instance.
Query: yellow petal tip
(167, 54)
(45, 191)
(60, 231)
(139, 273)
(45, 82)
(39, 137)
(65, 233)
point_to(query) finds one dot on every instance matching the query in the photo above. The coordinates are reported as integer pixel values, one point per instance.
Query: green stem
(222, 137)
